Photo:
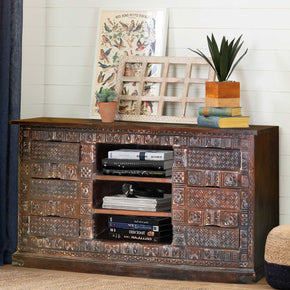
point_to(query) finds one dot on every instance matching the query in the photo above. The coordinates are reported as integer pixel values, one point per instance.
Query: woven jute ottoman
(277, 257)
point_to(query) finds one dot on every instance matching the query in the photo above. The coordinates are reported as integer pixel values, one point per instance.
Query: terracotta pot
(108, 111)
(222, 94)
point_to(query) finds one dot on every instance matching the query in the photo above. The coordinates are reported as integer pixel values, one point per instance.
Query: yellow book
(223, 122)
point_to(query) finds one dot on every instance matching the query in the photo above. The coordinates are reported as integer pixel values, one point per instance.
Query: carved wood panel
(55, 152)
(211, 237)
(214, 159)
(53, 189)
(53, 227)
(213, 198)
(217, 178)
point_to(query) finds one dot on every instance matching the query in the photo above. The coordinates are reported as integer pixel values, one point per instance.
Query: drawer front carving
(178, 196)
(223, 256)
(54, 227)
(48, 170)
(214, 159)
(206, 237)
(212, 218)
(214, 142)
(213, 198)
(54, 189)
(65, 135)
(180, 157)
(55, 152)
(54, 208)
(216, 178)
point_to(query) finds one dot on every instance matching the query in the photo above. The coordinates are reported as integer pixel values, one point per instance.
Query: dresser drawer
(49, 189)
(54, 208)
(213, 198)
(214, 178)
(212, 237)
(216, 159)
(55, 152)
(211, 217)
(53, 227)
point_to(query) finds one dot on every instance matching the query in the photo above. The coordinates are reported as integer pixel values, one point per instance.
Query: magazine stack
(139, 162)
(142, 203)
(140, 228)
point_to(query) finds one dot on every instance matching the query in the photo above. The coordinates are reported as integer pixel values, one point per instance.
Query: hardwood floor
(18, 278)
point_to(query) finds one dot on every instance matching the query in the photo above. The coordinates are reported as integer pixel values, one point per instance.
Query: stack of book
(139, 162)
(217, 117)
(140, 228)
(121, 201)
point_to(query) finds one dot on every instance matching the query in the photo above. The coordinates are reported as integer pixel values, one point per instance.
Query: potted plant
(107, 103)
(223, 93)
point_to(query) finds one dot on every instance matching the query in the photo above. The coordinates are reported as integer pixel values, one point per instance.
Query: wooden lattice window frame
(163, 80)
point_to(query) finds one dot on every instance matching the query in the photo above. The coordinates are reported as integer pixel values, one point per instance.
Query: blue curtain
(11, 12)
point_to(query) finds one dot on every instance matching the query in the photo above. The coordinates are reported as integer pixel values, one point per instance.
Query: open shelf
(133, 178)
(130, 212)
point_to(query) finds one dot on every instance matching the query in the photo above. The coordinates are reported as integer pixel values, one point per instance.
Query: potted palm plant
(107, 103)
(223, 93)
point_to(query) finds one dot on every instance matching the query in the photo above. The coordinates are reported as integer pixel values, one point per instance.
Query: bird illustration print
(131, 26)
(124, 26)
(109, 79)
(138, 27)
(104, 54)
(101, 77)
(104, 66)
(119, 44)
(107, 28)
(106, 39)
(141, 46)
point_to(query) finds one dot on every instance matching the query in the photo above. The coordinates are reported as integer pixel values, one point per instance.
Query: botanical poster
(126, 33)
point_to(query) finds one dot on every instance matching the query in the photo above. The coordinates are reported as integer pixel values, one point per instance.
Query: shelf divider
(130, 212)
(132, 178)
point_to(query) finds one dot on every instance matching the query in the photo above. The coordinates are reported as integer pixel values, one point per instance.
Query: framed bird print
(125, 33)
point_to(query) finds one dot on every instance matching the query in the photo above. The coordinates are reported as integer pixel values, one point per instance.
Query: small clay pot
(107, 110)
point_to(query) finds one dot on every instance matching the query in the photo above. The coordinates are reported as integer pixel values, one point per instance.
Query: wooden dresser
(224, 185)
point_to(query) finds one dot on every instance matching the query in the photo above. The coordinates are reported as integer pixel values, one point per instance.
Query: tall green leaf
(223, 58)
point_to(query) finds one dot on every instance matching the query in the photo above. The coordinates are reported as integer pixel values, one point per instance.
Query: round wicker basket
(277, 257)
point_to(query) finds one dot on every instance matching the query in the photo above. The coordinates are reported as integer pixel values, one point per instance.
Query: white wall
(58, 57)
(33, 60)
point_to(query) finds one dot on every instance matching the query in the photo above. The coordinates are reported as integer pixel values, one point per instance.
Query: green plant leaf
(222, 59)
(204, 57)
(106, 95)
(234, 66)
(235, 49)
(214, 52)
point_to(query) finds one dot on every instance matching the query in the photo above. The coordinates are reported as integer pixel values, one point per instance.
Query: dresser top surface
(92, 123)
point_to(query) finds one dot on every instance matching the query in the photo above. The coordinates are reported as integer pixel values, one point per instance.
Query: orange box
(222, 94)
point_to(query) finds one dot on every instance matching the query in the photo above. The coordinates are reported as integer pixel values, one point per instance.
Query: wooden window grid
(163, 80)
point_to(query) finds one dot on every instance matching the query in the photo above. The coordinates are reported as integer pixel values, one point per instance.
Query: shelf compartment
(131, 212)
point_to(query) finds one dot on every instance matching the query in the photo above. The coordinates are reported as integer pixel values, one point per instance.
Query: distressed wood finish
(224, 199)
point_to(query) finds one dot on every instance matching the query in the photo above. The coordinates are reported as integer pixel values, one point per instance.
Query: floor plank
(28, 278)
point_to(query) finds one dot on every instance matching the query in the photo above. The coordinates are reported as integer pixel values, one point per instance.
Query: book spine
(211, 122)
(140, 220)
(129, 226)
(133, 164)
(136, 155)
(139, 238)
(134, 172)
(212, 111)
(140, 232)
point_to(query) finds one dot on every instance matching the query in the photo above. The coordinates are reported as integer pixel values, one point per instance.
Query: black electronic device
(132, 190)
